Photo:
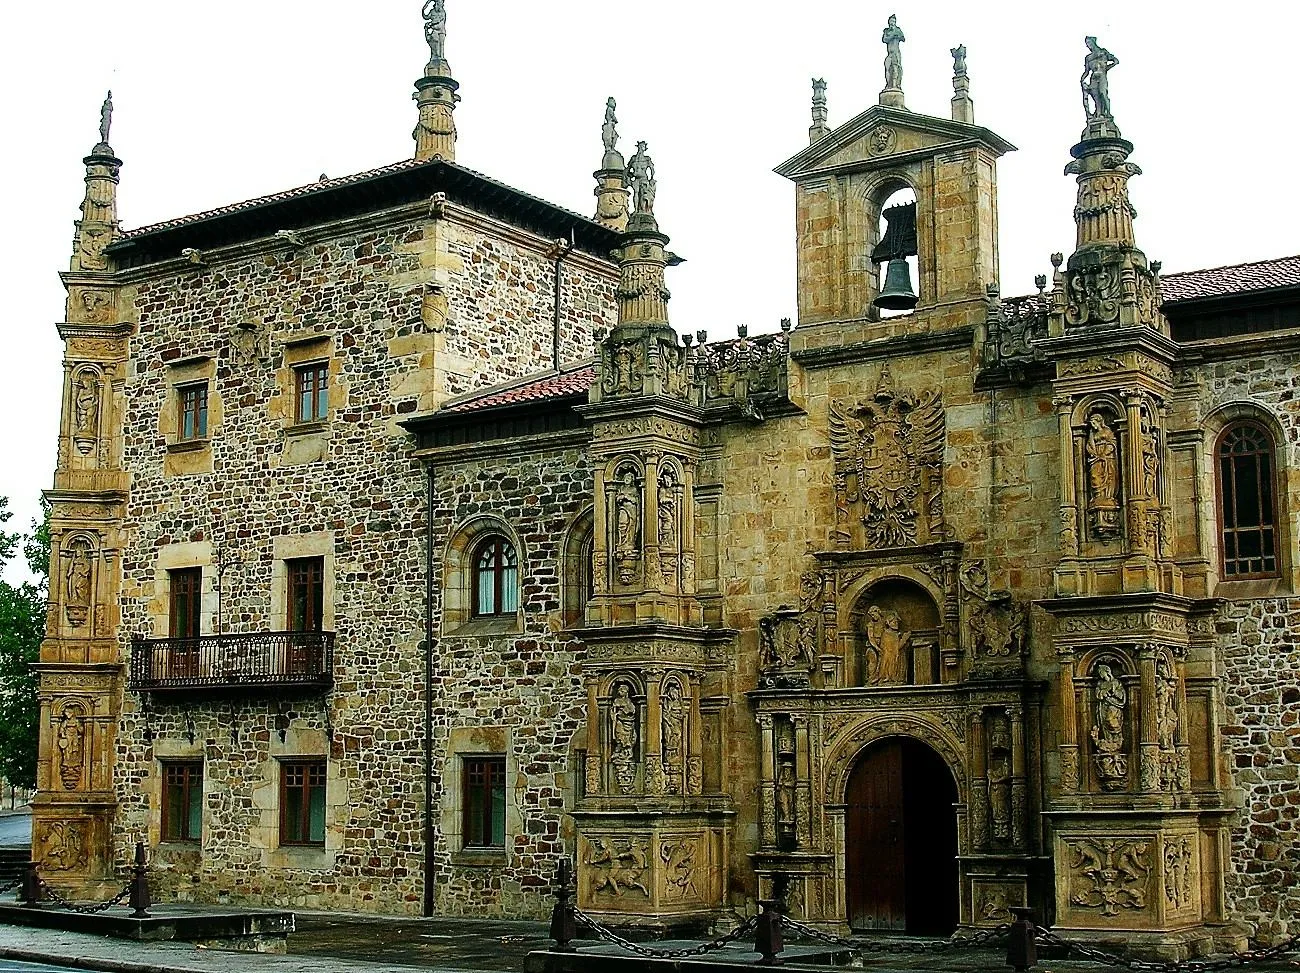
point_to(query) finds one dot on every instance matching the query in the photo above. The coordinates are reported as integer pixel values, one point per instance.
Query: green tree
(22, 624)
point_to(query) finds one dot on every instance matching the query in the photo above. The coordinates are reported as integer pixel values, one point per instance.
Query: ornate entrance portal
(901, 830)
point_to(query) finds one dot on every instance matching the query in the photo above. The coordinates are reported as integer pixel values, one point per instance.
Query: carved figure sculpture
(641, 174)
(887, 648)
(625, 516)
(679, 868)
(1150, 445)
(105, 119)
(65, 847)
(892, 38)
(624, 729)
(435, 28)
(672, 720)
(85, 407)
(1102, 454)
(785, 780)
(1115, 873)
(1167, 722)
(77, 583)
(1110, 706)
(958, 60)
(999, 771)
(1178, 872)
(1095, 80)
(609, 131)
(71, 754)
(667, 517)
(617, 870)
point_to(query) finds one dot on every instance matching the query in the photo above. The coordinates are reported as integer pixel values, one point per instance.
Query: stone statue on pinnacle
(105, 119)
(641, 173)
(1096, 83)
(892, 38)
(435, 28)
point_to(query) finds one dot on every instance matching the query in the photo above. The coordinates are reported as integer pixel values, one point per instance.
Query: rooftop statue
(958, 60)
(1096, 85)
(105, 119)
(609, 131)
(892, 38)
(435, 28)
(641, 173)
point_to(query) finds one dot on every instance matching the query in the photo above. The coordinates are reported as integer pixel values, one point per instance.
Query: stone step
(13, 861)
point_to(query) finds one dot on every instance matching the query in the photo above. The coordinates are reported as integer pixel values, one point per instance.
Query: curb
(91, 963)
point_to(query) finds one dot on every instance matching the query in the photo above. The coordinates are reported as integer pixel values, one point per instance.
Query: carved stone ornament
(624, 367)
(888, 457)
(999, 776)
(78, 577)
(673, 732)
(1178, 871)
(626, 497)
(95, 306)
(85, 411)
(624, 735)
(1093, 293)
(679, 860)
(616, 868)
(65, 846)
(787, 645)
(70, 744)
(1166, 692)
(1109, 874)
(882, 140)
(1110, 716)
(1101, 455)
(90, 250)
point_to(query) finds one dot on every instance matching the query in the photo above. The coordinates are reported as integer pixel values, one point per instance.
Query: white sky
(217, 103)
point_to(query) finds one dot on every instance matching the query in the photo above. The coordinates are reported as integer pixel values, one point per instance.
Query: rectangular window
(302, 802)
(185, 624)
(313, 396)
(194, 412)
(306, 598)
(182, 808)
(484, 800)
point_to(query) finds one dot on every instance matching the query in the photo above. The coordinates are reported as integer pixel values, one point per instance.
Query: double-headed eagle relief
(889, 466)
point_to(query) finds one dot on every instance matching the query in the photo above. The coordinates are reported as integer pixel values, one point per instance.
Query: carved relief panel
(888, 454)
(896, 626)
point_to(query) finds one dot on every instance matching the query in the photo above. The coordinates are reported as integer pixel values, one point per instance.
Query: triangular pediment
(883, 136)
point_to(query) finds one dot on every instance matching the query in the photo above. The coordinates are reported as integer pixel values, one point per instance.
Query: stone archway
(901, 840)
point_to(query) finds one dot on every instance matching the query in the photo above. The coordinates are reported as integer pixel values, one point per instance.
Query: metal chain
(85, 910)
(610, 936)
(1049, 938)
(997, 934)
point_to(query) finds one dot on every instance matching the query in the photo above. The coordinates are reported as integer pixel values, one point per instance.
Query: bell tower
(855, 249)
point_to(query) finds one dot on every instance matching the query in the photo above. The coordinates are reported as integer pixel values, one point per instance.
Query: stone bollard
(564, 928)
(140, 900)
(1022, 952)
(31, 888)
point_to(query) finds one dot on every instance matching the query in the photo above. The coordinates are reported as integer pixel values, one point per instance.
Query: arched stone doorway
(901, 840)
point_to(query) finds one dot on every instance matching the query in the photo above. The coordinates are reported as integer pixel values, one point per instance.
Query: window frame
(484, 773)
(1269, 509)
(191, 790)
(197, 394)
(314, 773)
(498, 545)
(305, 581)
(311, 387)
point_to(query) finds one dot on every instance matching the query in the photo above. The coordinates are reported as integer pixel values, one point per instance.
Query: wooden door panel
(874, 856)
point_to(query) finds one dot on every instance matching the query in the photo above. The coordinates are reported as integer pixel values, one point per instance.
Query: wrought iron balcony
(261, 661)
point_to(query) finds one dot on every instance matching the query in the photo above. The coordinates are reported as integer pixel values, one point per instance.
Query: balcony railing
(257, 661)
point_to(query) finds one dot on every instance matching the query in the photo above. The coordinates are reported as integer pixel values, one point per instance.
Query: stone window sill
(189, 445)
(480, 857)
(1252, 588)
(505, 625)
(306, 428)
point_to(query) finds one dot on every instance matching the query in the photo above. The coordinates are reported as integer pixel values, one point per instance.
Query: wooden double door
(901, 841)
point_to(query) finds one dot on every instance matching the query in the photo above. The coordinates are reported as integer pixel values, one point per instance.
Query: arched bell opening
(895, 254)
(901, 841)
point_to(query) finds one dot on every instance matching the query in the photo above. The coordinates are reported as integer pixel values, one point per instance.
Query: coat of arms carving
(888, 466)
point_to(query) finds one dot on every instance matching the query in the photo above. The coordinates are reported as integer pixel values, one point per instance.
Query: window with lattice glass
(193, 412)
(483, 781)
(182, 802)
(1247, 490)
(302, 802)
(311, 385)
(496, 578)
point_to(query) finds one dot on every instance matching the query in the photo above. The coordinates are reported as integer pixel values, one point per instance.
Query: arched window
(1247, 503)
(496, 578)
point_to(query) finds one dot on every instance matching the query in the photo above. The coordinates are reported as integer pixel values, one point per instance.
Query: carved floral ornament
(1109, 874)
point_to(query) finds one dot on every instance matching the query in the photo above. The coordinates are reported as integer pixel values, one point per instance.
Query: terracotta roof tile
(536, 388)
(1195, 285)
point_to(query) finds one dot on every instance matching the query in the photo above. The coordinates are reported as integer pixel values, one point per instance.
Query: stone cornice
(1089, 343)
(67, 329)
(446, 455)
(1243, 346)
(881, 348)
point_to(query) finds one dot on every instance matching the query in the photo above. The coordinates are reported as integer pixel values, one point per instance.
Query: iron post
(1022, 953)
(140, 900)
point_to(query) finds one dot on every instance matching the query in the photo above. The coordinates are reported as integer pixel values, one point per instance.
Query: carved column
(1069, 729)
(1135, 514)
(803, 777)
(1148, 728)
(695, 737)
(1019, 811)
(1069, 477)
(979, 802)
(767, 786)
(687, 521)
(595, 758)
(653, 734)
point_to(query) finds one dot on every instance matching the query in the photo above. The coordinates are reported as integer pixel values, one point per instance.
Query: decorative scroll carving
(1178, 871)
(1093, 293)
(1110, 714)
(1101, 451)
(624, 730)
(1116, 870)
(78, 581)
(887, 642)
(672, 720)
(617, 867)
(65, 847)
(1166, 693)
(888, 458)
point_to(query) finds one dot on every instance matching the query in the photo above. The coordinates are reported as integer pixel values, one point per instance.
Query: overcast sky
(217, 103)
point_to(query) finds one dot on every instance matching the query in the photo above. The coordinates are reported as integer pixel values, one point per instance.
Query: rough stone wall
(258, 493)
(1261, 670)
(516, 692)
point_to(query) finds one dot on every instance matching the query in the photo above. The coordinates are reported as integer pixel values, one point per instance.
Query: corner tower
(435, 92)
(844, 181)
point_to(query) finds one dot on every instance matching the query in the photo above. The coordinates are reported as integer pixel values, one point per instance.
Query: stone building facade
(403, 549)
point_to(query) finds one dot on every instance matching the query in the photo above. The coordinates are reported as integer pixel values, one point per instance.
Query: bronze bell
(897, 294)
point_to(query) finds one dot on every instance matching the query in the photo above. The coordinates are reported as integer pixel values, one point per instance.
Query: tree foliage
(22, 624)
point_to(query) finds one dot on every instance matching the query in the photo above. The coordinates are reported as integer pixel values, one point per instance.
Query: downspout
(428, 698)
(562, 249)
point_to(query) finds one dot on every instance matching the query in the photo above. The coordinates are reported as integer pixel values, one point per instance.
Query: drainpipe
(428, 698)
(562, 249)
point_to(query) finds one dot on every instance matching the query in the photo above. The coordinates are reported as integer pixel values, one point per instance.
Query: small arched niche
(895, 635)
(895, 242)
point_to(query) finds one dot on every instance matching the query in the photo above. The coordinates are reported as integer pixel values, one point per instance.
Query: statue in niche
(435, 28)
(672, 720)
(1167, 722)
(77, 584)
(641, 174)
(888, 453)
(85, 408)
(627, 544)
(71, 753)
(785, 781)
(623, 732)
(1102, 457)
(1095, 81)
(887, 642)
(609, 131)
(999, 770)
(1110, 707)
(892, 38)
(1150, 445)
(667, 512)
